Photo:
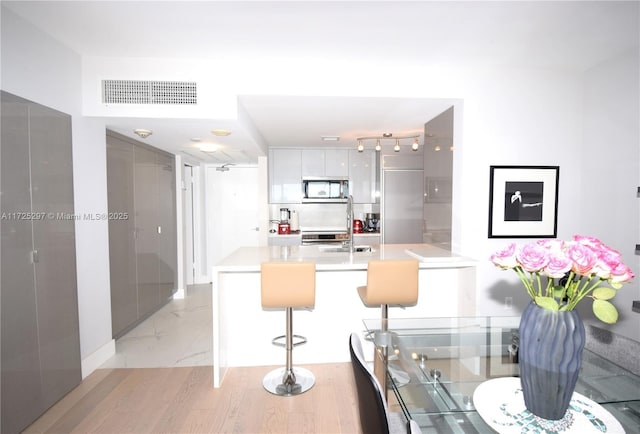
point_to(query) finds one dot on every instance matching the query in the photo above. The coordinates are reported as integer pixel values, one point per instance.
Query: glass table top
(435, 365)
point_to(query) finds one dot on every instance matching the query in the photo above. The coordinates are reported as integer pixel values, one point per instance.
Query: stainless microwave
(316, 190)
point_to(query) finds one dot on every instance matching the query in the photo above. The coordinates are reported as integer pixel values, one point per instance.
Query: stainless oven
(323, 237)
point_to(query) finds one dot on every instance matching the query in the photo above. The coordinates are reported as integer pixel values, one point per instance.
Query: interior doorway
(232, 211)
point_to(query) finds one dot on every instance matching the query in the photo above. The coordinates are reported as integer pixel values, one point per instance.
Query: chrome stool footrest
(275, 341)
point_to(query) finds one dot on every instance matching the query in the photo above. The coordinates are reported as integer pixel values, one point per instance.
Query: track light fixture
(388, 136)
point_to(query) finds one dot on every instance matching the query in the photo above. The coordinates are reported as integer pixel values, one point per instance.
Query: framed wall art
(523, 201)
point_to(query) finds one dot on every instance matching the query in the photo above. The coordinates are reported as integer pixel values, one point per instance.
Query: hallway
(177, 335)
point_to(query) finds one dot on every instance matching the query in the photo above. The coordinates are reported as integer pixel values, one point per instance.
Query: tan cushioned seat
(391, 282)
(288, 284)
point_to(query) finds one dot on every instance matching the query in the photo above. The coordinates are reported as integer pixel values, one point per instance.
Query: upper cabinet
(325, 162)
(364, 183)
(285, 176)
(288, 166)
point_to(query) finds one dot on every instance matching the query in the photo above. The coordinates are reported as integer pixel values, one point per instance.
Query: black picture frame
(523, 201)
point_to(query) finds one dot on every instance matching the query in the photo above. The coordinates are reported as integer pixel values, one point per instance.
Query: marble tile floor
(179, 334)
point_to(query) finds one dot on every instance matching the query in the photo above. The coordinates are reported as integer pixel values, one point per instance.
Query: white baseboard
(199, 280)
(94, 360)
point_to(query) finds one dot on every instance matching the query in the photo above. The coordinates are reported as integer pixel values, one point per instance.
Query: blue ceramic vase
(550, 358)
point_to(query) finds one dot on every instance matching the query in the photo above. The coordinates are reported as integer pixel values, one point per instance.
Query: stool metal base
(288, 383)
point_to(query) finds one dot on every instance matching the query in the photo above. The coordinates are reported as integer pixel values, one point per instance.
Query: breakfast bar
(242, 330)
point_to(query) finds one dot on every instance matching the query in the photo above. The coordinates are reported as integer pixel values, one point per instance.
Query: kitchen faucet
(350, 222)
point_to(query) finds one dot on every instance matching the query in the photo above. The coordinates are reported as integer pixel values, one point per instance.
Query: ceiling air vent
(149, 92)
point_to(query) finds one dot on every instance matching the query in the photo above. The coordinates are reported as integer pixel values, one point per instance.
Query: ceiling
(571, 35)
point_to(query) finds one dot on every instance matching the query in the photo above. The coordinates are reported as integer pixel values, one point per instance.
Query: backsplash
(320, 215)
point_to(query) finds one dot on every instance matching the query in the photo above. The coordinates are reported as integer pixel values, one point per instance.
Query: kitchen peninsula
(242, 330)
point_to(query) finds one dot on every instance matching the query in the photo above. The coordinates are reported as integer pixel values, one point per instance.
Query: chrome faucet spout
(350, 222)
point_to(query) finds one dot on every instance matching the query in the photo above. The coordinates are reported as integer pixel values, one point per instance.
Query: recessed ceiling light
(330, 138)
(208, 147)
(196, 139)
(220, 132)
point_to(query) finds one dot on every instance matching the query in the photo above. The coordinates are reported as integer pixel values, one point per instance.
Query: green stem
(584, 289)
(526, 281)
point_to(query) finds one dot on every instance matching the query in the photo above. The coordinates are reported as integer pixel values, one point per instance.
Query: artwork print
(523, 201)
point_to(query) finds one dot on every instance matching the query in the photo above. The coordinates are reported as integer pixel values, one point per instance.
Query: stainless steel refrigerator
(402, 206)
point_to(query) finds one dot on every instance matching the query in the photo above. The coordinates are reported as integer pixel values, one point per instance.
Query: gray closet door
(21, 392)
(40, 333)
(147, 222)
(54, 240)
(122, 243)
(167, 221)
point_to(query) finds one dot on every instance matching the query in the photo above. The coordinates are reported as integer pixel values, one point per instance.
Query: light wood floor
(183, 400)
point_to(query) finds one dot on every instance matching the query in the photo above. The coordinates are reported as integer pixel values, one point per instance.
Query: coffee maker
(371, 222)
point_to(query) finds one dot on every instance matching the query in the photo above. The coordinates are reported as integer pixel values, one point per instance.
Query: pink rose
(533, 257)
(587, 241)
(506, 257)
(621, 273)
(608, 260)
(559, 264)
(606, 250)
(583, 257)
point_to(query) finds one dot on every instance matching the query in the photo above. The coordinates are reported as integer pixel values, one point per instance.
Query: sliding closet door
(122, 242)
(21, 392)
(167, 221)
(40, 333)
(147, 223)
(54, 240)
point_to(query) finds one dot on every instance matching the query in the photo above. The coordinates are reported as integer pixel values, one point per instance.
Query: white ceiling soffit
(302, 121)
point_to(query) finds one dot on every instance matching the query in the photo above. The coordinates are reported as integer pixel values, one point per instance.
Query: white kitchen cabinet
(336, 162)
(367, 239)
(285, 175)
(285, 240)
(364, 183)
(325, 162)
(313, 162)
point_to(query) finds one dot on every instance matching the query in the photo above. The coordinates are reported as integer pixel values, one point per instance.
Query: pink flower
(584, 258)
(588, 241)
(506, 257)
(552, 245)
(541, 266)
(533, 257)
(621, 273)
(559, 264)
(608, 260)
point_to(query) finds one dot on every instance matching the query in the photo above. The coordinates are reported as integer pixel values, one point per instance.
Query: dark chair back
(373, 412)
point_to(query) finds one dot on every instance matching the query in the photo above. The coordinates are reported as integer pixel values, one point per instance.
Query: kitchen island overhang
(242, 330)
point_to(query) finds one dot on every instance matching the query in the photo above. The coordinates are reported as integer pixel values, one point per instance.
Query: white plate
(500, 403)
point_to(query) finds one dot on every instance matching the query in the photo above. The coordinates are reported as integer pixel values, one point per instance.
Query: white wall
(611, 174)
(38, 68)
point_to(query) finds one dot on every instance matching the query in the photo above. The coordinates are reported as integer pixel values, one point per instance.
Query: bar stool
(390, 282)
(288, 285)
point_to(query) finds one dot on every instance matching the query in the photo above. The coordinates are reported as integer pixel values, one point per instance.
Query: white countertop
(248, 259)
